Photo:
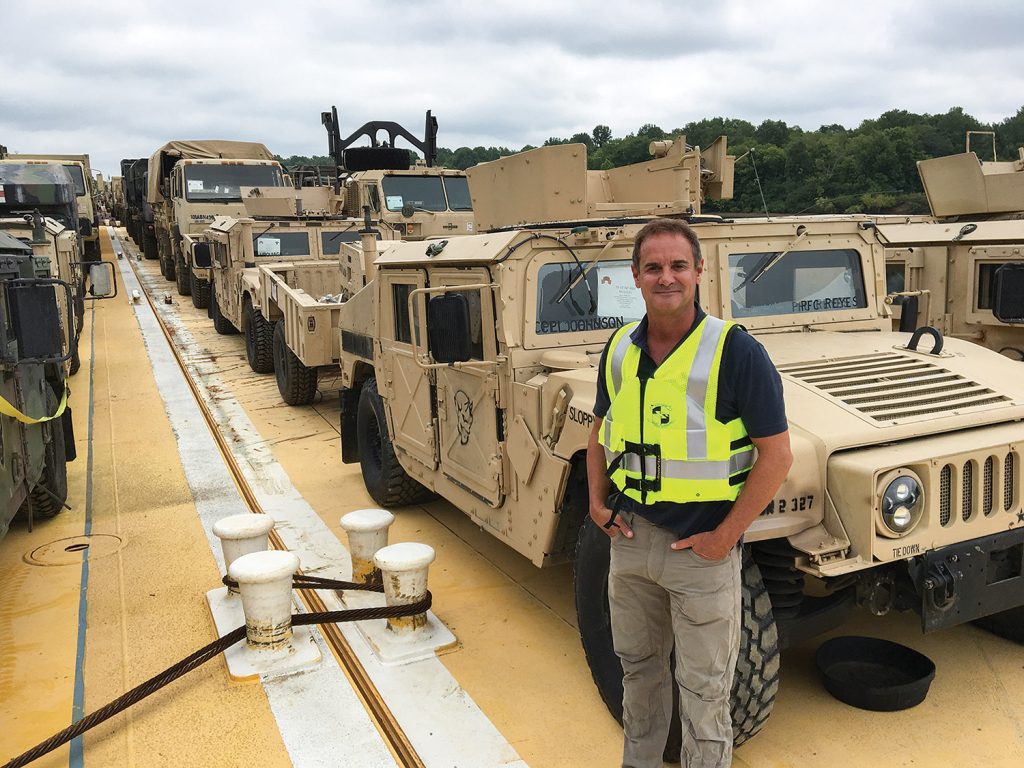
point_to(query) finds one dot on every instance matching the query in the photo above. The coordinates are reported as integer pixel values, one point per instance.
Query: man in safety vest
(683, 399)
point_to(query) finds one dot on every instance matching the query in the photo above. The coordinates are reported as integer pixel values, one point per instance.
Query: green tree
(601, 135)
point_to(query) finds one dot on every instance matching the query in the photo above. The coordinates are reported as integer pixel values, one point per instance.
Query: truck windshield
(221, 183)
(281, 244)
(802, 281)
(457, 188)
(78, 177)
(607, 298)
(421, 192)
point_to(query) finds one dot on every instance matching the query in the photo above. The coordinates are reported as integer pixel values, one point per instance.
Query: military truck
(944, 269)
(279, 277)
(417, 200)
(81, 174)
(138, 215)
(34, 419)
(470, 372)
(192, 182)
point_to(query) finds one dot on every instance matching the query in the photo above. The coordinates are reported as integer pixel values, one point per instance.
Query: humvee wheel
(755, 682)
(1008, 624)
(295, 381)
(149, 250)
(259, 339)
(183, 275)
(200, 291)
(384, 478)
(49, 494)
(221, 324)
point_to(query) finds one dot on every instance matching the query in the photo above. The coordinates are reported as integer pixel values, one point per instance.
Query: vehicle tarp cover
(200, 150)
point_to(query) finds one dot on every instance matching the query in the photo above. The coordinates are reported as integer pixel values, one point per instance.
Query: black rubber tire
(182, 276)
(1008, 624)
(148, 245)
(385, 480)
(296, 382)
(221, 324)
(755, 683)
(200, 291)
(259, 339)
(377, 158)
(76, 360)
(55, 470)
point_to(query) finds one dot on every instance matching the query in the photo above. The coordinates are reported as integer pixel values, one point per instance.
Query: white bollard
(265, 581)
(404, 569)
(367, 531)
(241, 534)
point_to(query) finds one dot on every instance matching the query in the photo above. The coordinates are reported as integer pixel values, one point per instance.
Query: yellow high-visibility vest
(661, 437)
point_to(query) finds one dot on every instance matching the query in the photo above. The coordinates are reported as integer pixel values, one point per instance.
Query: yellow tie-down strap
(9, 410)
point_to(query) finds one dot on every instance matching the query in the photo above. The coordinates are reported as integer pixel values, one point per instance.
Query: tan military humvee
(947, 267)
(470, 371)
(279, 276)
(192, 182)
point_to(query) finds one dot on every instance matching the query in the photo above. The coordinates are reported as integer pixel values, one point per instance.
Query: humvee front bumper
(970, 580)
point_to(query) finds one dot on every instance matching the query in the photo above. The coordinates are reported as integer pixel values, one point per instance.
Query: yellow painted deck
(518, 655)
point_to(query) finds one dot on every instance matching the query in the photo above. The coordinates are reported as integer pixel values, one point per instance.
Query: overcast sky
(117, 79)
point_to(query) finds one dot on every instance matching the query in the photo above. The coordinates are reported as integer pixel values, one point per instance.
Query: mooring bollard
(265, 581)
(241, 534)
(367, 531)
(404, 570)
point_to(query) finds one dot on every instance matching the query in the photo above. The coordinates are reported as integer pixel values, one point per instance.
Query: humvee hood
(862, 388)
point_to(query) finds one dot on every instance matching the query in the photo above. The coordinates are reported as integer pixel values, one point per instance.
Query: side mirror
(1009, 295)
(201, 255)
(448, 328)
(100, 281)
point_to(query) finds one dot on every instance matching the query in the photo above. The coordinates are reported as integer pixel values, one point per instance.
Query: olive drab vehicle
(944, 272)
(189, 183)
(35, 422)
(469, 371)
(416, 199)
(88, 216)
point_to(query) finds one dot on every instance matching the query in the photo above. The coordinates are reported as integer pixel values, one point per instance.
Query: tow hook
(940, 586)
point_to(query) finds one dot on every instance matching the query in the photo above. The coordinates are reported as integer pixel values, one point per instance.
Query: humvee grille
(891, 387)
(957, 480)
(945, 480)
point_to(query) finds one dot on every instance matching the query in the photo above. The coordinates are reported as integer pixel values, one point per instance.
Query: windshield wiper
(772, 259)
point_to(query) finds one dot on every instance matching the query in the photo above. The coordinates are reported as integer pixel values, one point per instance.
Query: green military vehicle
(469, 371)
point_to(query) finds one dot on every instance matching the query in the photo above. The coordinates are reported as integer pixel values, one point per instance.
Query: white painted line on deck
(441, 720)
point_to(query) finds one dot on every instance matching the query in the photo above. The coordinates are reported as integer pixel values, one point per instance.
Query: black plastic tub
(874, 674)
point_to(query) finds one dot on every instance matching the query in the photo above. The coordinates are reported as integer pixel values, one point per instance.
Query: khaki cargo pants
(659, 596)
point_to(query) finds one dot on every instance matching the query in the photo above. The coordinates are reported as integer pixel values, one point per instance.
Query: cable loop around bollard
(303, 581)
(204, 654)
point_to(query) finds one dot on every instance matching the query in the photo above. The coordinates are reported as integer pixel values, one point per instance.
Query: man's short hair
(666, 227)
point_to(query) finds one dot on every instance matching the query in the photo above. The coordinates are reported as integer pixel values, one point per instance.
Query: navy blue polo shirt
(749, 388)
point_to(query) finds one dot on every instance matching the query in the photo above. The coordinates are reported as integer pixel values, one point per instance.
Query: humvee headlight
(901, 505)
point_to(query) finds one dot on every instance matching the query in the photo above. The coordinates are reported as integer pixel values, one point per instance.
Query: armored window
(78, 178)
(457, 189)
(896, 279)
(606, 298)
(423, 193)
(985, 284)
(799, 282)
(400, 301)
(223, 183)
(281, 244)
(330, 242)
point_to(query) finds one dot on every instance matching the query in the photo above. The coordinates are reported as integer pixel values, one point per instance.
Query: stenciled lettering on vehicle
(579, 324)
(906, 550)
(580, 416)
(817, 305)
(792, 504)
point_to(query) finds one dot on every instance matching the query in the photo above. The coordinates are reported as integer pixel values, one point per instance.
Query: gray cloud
(117, 79)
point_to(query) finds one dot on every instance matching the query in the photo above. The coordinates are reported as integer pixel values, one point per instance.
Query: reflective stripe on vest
(653, 454)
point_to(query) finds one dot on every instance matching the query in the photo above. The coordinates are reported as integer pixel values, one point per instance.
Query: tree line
(868, 169)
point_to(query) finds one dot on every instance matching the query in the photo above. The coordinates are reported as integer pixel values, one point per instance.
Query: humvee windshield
(607, 298)
(330, 242)
(424, 192)
(801, 281)
(220, 183)
(281, 244)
